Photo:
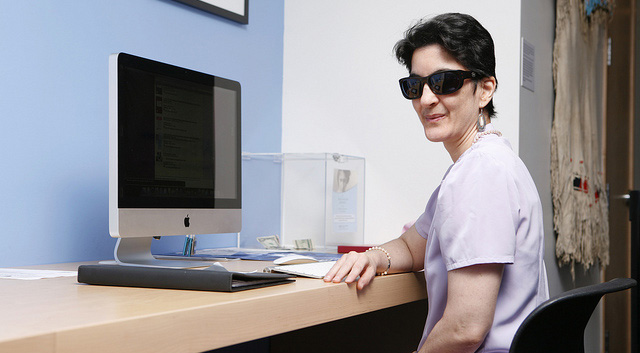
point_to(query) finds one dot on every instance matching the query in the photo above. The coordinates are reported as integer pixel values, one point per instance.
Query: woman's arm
(471, 305)
(406, 252)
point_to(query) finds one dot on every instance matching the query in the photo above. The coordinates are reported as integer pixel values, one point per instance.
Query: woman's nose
(428, 97)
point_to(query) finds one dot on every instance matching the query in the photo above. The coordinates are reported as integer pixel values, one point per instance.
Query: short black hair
(459, 34)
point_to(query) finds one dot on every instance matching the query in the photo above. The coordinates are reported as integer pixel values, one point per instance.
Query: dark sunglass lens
(437, 82)
(411, 88)
(452, 82)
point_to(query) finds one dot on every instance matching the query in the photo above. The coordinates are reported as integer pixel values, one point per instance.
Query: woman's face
(447, 118)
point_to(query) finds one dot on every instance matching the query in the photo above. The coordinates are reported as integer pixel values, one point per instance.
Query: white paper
(17, 273)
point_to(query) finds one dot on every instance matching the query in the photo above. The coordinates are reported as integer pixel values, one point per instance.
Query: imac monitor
(174, 156)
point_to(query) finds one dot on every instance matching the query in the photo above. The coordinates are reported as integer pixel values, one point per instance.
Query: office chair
(558, 324)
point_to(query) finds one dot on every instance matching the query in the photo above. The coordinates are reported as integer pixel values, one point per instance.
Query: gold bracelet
(388, 259)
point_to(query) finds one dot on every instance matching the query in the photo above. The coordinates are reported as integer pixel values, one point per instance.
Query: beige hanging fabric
(580, 213)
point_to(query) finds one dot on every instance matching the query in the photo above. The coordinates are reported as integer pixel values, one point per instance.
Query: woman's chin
(433, 136)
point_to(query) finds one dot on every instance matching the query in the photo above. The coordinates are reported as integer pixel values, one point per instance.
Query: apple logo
(186, 221)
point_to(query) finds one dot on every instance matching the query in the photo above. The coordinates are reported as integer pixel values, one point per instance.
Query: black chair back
(558, 324)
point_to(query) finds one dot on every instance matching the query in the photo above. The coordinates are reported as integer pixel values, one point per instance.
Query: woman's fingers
(335, 268)
(361, 262)
(346, 265)
(366, 277)
(351, 266)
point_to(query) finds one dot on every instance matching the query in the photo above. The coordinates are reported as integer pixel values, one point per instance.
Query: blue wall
(54, 108)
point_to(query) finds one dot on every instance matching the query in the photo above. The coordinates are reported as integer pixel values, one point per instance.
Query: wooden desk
(61, 315)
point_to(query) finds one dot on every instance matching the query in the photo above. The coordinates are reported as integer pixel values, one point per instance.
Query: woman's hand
(354, 265)
(402, 254)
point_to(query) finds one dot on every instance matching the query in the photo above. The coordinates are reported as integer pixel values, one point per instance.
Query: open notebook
(312, 269)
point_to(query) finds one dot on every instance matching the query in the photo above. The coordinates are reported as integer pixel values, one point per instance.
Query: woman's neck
(459, 146)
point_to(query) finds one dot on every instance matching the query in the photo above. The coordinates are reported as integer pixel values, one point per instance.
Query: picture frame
(235, 10)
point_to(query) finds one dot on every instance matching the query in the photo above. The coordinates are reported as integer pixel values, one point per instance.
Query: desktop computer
(174, 169)
(174, 156)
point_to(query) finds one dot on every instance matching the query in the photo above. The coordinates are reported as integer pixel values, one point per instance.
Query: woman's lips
(433, 117)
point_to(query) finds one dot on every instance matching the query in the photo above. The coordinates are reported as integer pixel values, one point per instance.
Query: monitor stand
(137, 252)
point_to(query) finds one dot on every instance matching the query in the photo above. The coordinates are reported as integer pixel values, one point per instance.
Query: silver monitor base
(137, 252)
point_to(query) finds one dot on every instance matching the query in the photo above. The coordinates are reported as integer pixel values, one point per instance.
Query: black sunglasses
(444, 82)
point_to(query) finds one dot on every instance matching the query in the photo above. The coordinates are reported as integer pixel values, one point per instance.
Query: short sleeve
(423, 224)
(477, 213)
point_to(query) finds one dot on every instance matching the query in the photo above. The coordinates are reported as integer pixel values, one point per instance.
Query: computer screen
(174, 155)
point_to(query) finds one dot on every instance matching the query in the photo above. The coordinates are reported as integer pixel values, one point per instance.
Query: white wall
(340, 94)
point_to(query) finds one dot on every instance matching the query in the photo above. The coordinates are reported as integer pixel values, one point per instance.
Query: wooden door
(619, 172)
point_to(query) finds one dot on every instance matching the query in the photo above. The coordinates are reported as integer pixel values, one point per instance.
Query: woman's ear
(487, 88)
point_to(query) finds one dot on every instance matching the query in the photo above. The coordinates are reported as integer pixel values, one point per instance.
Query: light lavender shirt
(486, 210)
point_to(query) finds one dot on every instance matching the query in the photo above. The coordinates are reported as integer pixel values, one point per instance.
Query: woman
(480, 239)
